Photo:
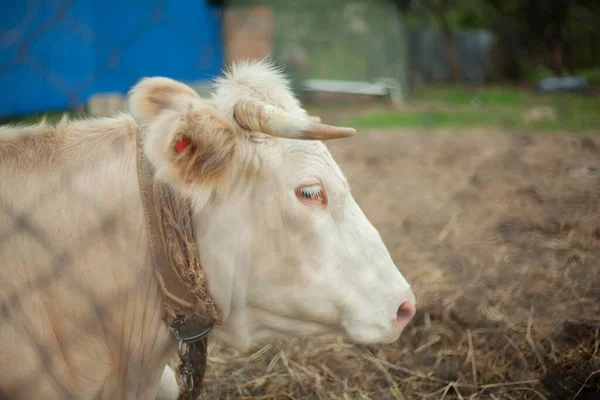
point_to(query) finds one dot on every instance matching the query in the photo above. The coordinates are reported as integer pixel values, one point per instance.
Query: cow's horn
(258, 116)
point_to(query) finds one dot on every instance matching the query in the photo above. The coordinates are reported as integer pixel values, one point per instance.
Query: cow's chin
(360, 334)
(365, 335)
(267, 326)
(368, 331)
(259, 326)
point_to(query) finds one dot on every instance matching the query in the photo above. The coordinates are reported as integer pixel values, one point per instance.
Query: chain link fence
(38, 236)
(57, 56)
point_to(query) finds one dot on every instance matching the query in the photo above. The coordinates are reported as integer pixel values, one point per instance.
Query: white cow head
(285, 248)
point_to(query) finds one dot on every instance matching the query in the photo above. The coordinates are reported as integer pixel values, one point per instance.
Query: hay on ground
(500, 236)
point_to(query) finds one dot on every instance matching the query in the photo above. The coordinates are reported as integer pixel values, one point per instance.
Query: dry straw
(500, 236)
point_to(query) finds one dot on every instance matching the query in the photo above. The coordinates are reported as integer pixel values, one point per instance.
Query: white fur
(278, 268)
(167, 387)
(338, 274)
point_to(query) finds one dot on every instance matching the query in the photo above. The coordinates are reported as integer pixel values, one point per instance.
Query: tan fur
(77, 142)
(88, 312)
(100, 318)
(85, 138)
(84, 311)
(153, 95)
(209, 155)
(73, 142)
(27, 146)
(212, 149)
(100, 314)
(171, 111)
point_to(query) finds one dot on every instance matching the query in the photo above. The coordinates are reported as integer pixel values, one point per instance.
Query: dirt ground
(500, 236)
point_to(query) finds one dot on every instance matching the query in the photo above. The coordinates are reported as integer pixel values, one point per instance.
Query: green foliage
(591, 74)
(51, 117)
(563, 36)
(456, 96)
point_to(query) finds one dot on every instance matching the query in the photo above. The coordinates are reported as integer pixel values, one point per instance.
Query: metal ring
(180, 349)
(188, 381)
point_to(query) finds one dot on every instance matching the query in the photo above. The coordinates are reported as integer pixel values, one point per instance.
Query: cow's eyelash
(311, 192)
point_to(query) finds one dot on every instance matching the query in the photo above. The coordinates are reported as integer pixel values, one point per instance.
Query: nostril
(406, 312)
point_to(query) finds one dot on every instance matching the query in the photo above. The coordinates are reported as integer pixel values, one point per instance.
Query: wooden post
(248, 33)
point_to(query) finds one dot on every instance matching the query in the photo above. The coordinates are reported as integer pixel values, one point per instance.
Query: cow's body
(84, 313)
(80, 311)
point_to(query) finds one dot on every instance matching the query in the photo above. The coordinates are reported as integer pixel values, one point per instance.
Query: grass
(457, 96)
(495, 107)
(455, 107)
(51, 116)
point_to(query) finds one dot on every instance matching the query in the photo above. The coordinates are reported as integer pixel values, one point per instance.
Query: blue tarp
(55, 54)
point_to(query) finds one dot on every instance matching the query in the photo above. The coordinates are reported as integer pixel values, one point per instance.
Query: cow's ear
(150, 96)
(193, 147)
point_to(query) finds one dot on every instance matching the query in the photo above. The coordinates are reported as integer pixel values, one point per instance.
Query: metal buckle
(188, 333)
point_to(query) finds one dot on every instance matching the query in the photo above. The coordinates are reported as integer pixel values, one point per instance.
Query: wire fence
(43, 282)
(55, 55)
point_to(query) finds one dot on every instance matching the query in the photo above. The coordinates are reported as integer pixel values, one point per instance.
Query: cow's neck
(227, 264)
(120, 343)
(138, 343)
(189, 311)
(171, 237)
(144, 345)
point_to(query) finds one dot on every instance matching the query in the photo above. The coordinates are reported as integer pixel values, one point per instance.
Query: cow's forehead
(309, 156)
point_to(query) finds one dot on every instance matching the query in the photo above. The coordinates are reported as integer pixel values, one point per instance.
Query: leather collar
(189, 309)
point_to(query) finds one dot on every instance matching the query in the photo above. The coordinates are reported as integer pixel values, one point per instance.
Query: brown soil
(500, 236)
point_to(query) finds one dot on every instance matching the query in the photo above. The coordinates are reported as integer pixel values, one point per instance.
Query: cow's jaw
(373, 287)
(277, 268)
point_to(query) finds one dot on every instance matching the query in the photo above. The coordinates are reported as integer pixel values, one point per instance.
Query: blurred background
(477, 158)
(82, 56)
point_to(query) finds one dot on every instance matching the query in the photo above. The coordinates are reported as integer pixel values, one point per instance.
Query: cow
(285, 248)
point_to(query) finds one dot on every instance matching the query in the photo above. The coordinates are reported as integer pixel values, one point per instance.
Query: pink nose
(405, 312)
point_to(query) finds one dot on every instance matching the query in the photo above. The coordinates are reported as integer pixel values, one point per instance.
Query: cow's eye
(312, 195)
(311, 192)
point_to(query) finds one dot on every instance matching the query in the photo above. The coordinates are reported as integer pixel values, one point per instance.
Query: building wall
(362, 40)
(429, 63)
